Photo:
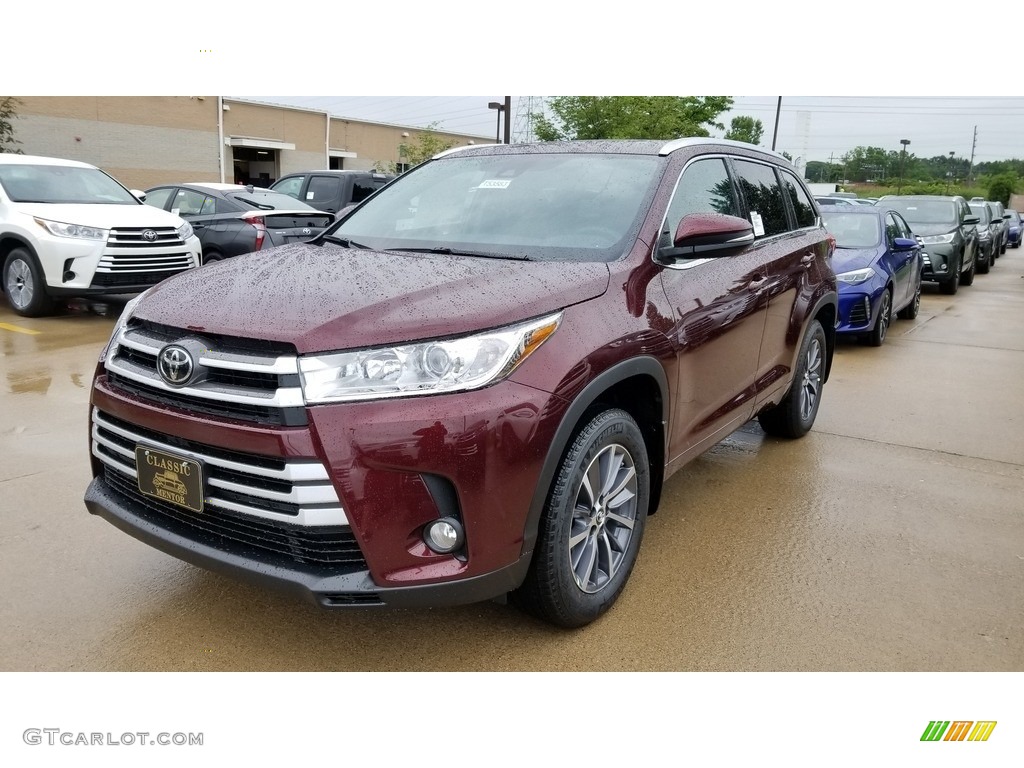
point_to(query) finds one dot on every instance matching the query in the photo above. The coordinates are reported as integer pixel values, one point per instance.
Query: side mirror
(1006, 215)
(139, 194)
(971, 220)
(707, 235)
(904, 244)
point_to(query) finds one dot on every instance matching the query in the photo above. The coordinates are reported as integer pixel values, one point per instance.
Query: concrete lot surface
(890, 538)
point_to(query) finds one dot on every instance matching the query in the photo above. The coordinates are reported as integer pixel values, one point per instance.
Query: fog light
(68, 276)
(444, 536)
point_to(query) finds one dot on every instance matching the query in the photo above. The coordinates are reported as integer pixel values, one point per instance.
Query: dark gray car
(990, 233)
(946, 226)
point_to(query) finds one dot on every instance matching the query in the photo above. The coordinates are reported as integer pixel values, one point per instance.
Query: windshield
(62, 184)
(852, 230)
(269, 201)
(981, 211)
(926, 211)
(578, 207)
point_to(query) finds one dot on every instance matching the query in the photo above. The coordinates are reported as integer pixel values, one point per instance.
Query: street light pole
(500, 108)
(903, 154)
(949, 173)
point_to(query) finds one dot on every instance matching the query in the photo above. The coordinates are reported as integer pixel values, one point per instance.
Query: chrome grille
(243, 380)
(283, 490)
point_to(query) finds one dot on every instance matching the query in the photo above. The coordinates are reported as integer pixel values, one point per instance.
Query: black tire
(212, 256)
(584, 552)
(1002, 250)
(952, 285)
(794, 416)
(25, 286)
(910, 311)
(967, 278)
(986, 263)
(877, 336)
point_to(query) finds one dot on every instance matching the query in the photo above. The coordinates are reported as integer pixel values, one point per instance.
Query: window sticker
(495, 184)
(755, 219)
(310, 195)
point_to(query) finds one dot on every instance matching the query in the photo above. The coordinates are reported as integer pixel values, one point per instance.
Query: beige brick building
(147, 140)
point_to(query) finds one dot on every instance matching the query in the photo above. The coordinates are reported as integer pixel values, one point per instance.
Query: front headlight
(426, 368)
(79, 231)
(856, 276)
(984, 234)
(120, 325)
(185, 231)
(938, 238)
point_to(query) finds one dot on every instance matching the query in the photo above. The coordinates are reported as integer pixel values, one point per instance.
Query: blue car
(878, 265)
(1016, 229)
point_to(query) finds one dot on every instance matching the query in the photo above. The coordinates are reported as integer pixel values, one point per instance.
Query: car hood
(849, 259)
(326, 297)
(926, 230)
(102, 215)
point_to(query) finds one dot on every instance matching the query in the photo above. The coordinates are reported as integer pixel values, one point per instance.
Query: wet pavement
(890, 538)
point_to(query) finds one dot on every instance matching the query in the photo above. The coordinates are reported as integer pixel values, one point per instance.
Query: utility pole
(970, 168)
(775, 135)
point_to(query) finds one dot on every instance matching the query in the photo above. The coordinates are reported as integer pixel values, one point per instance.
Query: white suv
(69, 229)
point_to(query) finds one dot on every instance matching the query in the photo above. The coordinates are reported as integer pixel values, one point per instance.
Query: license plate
(169, 477)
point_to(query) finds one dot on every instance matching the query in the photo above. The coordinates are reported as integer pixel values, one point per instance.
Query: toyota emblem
(175, 364)
(307, 231)
(149, 235)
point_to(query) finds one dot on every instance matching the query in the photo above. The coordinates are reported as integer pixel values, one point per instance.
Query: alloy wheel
(603, 518)
(20, 286)
(810, 386)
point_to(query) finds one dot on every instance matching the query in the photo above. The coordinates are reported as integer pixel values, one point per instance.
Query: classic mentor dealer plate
(171, 478)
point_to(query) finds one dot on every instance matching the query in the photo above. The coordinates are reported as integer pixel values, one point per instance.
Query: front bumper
(859, 306)
(938, 259)
(343, 590)
(395, 467)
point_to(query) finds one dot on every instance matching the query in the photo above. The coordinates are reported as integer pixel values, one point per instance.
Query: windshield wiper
(344, 242)
(446, 251)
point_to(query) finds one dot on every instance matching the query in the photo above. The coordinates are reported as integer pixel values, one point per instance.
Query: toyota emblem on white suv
(149, 235)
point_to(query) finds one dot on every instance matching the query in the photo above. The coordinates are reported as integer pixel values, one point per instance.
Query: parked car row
(886, 250)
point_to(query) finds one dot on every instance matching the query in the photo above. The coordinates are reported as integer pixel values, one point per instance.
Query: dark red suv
(474, 385)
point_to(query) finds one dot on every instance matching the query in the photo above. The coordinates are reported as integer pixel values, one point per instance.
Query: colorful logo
(958, 730)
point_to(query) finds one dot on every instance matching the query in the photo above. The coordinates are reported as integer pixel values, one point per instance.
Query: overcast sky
(376, 54)
(812, 127)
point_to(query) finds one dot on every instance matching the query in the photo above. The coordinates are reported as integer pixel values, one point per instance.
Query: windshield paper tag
(495, 184)
(755, 219)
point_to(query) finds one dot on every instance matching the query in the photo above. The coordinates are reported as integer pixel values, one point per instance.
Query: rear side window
(765, 203)
(322, 188)
(802, 205)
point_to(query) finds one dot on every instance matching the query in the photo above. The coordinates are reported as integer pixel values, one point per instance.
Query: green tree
(424, 146)
(629, 117)
(8, 112)
(1001, 187)
(746, 129)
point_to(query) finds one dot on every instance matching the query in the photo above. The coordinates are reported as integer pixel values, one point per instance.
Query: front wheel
(24, 285)
(794, 415)
(988, 259)
(910, 311)
(877, 335)
(952, 285)
(592, 524)
(967, 278)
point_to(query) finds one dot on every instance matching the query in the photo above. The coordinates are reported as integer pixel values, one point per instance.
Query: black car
(232, 219)
(990, 232)
(946, 226)
(331, 191)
